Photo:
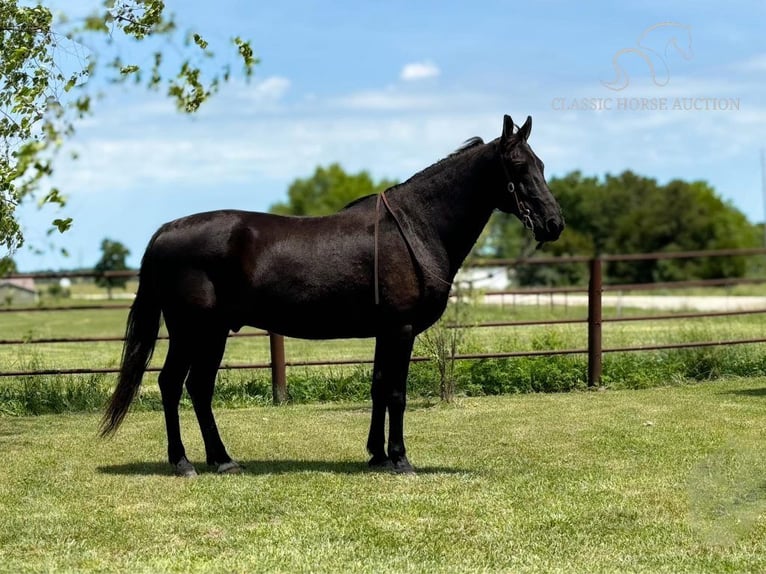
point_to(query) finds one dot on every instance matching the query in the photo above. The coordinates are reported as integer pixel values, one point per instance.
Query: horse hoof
(230, 467)
(184, 468)
(381, 463)
(402, 466)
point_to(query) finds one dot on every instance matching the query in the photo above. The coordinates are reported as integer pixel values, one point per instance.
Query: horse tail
(140, 337)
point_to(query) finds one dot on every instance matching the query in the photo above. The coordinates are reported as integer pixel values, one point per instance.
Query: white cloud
(271, 89)
(385, 100)
(419, 71)
(404, 99)
(756, 63)
(395, 132)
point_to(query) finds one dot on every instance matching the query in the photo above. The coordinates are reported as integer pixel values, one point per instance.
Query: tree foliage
(327, 191)
(113, 258)
(7, 266)
(625, 213)
(45, 68)
(628, 213)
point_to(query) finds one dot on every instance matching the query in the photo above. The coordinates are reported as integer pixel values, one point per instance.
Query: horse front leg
(396, 401)
(377, 438)
(389, 393)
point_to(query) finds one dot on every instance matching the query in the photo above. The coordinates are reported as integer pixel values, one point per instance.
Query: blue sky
(392, 87)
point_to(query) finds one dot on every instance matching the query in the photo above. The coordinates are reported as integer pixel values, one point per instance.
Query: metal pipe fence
(594, 320)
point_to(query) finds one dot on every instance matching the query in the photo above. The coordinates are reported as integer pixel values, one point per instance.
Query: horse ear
(507, 127)
(524, 130)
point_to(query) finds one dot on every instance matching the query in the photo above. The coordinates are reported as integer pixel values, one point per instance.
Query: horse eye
(520, 167)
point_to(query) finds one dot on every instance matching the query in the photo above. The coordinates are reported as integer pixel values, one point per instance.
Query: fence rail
(594, 320)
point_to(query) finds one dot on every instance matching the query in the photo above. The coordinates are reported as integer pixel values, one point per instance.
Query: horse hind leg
(200, 384)
(171, 381)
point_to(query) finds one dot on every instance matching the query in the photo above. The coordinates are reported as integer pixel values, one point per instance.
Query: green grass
(660, 480)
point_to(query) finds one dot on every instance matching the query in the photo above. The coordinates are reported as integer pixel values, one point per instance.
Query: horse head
(525, 192)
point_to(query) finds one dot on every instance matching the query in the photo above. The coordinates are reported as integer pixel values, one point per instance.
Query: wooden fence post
(278, 376)
(595, 289)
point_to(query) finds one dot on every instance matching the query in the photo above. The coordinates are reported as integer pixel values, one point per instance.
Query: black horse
(381, 267)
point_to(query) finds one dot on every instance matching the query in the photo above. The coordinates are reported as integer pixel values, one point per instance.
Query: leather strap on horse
(525, 215)
(376, 266)
(375, 271)
(524, 212)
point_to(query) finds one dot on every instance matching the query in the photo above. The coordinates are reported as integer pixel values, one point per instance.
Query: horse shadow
(758, 392)
(266, 467)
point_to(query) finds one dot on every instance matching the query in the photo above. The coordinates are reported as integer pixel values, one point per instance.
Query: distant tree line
(629, 213)
(625, 213)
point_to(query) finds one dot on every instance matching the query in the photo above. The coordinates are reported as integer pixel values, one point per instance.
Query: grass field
(50, 394)
(109, 322)
(659, 480)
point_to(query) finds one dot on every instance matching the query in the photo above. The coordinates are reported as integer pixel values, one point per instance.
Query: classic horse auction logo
(655, 61)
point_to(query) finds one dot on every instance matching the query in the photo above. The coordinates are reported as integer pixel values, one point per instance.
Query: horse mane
(467, 145)
(357, 200)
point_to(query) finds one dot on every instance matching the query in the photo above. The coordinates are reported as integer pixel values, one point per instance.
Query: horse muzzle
(551, 231)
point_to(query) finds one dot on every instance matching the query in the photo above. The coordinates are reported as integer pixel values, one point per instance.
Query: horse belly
(312, 311)
(308, 322)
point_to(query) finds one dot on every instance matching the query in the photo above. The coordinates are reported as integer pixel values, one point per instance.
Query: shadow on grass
(262, 467)
(413, 404)
(761, 392)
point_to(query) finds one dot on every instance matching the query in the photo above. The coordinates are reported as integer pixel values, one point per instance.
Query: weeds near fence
(559, 373)
(444, 340)
(50, 394)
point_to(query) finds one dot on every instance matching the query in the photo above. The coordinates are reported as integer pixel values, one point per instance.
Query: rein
(376, 271)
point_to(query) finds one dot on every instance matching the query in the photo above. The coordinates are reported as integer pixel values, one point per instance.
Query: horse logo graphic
(655, 61)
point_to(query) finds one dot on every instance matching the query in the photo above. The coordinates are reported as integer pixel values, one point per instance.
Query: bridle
(525, 214)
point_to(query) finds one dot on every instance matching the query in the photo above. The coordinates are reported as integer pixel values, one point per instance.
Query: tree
(113, 255)
(7, 266)
(44, 87)
(629, 213)
(327, 191)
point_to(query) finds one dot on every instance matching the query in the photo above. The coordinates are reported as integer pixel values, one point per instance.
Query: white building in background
(484, 278)
(18, 291)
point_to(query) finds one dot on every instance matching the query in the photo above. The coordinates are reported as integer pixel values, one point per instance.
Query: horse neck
(451, 201)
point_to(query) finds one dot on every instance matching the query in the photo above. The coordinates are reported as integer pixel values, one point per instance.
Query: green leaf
(131, 69)
(63, 224)
(200, 41)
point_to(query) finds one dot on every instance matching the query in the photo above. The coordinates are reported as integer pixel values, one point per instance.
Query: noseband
(525, 214)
